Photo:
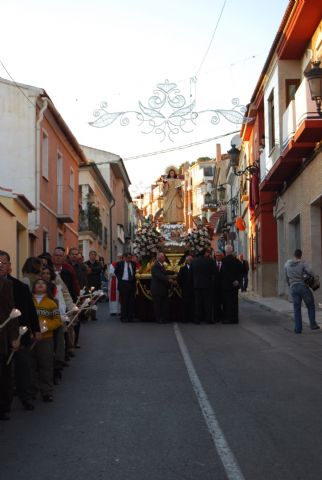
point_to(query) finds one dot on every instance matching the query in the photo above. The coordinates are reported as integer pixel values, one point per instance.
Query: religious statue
(172, 197)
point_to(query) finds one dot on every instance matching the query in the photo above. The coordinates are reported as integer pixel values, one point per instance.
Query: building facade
(14, 210)
(114, 173)
(42, 161)
(96, 201)
(285, 196)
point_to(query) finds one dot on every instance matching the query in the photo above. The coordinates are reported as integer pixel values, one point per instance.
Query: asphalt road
(127, 409)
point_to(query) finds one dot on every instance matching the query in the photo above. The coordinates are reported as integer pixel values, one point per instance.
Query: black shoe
(315, 327)
(47, 398)
(4, 416)
(28, 405)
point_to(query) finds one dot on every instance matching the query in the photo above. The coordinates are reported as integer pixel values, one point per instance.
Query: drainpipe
(111, 232)
(37, 186)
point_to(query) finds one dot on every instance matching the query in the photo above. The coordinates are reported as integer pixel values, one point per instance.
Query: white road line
(226, 455)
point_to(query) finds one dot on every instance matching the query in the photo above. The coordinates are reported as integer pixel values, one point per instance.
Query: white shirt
(127, 266)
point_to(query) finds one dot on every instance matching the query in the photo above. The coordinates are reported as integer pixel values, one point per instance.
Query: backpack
(312, 281)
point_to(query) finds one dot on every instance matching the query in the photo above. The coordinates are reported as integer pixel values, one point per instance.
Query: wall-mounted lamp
(234, 154)
(314, 77)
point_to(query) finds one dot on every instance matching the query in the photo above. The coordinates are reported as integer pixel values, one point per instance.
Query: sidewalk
(280, 305)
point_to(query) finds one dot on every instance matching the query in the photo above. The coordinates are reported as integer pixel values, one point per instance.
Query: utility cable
(212, 38)
(180, 147)
(16, 84)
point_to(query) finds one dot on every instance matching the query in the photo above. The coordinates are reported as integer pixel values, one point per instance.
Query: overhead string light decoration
(168, 113)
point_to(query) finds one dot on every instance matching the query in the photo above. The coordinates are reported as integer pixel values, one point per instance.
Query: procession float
(166, 232)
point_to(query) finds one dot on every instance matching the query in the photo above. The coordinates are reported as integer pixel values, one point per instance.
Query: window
(71, 193)
(45, 241)
(44, 153)
(60, 240)
(291, 85)
(59, 183)
(208, 171)
(271, 121)
(295, 234)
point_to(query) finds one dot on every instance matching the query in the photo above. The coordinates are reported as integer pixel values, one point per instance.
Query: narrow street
(127, 410)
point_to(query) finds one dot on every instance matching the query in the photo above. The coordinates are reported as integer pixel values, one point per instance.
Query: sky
(86, 52)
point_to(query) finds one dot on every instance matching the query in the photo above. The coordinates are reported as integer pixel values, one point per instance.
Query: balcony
(289, 124)
(65, 213)
(301, 130)
(90, 221)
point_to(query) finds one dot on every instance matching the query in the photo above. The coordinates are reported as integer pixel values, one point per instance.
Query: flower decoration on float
(198, 239)
(147, 241)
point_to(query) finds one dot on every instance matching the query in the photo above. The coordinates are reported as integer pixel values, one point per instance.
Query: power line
(16, 84)
(180, 147)
(212, 38)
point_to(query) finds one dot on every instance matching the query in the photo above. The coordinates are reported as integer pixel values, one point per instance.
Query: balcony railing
(90, 221)
(289, 124)
(65, 206)
(304, 106)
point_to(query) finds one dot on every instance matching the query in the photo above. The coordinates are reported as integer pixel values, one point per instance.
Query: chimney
(218, 152)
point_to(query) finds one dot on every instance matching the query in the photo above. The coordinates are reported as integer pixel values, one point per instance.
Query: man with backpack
(296, 271)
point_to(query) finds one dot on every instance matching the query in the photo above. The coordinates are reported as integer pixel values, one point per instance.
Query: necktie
(218, 266)
(129, 272)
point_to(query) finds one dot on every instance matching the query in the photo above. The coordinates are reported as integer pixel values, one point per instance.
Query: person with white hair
(232, 271)
(113, 293)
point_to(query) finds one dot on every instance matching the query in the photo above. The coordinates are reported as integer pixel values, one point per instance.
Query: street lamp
(314, 77)
(234, 154)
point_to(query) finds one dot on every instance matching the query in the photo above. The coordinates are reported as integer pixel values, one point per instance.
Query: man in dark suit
(22, 300)
(245, 265)
(203, 272)
(231, 281)
(8, 342)
(185, 282)
(160, 284)
(125, 272)
(218, 291)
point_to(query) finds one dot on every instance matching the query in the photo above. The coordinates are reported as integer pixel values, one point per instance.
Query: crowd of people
(40, 321)
(209, 286)
(41, 314)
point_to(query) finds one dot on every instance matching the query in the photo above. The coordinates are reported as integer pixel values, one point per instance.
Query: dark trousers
(230, 298)
(188, 307)
(23, 374)
(244, 283)
(127, 299)
(6, 394)
(161, 308)
(77, 330)
(218, 305)
(43, 366)
(203, 305)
